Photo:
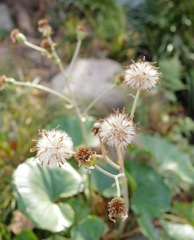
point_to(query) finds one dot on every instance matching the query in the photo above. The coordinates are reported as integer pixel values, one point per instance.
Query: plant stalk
(135, 104)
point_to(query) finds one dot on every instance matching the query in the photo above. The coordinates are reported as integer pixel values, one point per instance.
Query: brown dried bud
(84, 156)
(13, 34)
(46, 44)
(44, 27)
(116, 208)
(43, 23)
(95, 128)
(3, 82)
(119, 79)
(81, 32)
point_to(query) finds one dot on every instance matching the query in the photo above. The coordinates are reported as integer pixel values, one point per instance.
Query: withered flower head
(47, 45)
(142, 75)
(3, 82)
(17, 36)
(119, 79)
(95, 128)
(116, 208)
(117, 130)
(44, 27)
(81, 32)
(84, 156)
(53, 148)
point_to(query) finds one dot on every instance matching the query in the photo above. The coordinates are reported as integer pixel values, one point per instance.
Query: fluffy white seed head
(117, 130)
(142, 75)
(53, 148)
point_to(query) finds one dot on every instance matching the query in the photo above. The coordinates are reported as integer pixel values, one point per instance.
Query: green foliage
(167, 32)
(71, 125)
(38, 189)
(91, 228)
(151, 198)
(26, 235)
(171, 69)
(80, 208)
(174, 165)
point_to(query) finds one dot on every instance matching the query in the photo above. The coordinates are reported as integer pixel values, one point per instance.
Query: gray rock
(6, 22)
(90, 77)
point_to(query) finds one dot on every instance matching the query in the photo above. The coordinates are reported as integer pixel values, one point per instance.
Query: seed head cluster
(116, 208)
(142, 75)
(84, 156)
(117, 130)
(53, 148)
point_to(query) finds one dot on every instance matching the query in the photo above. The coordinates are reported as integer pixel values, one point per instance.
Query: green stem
(31, 45)
(65, 76)
(41, 87)
(135, 104)
(124, 184)
(109, 161)
(96, 99)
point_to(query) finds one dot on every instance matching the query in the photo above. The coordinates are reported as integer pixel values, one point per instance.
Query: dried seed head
(47, 45)
(117, 130)
(17, 36)
(142, 75)
(116, 208)
(44, 27)
(84, 156)
(53, 148)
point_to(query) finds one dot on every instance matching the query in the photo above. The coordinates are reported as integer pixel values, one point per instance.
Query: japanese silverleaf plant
(59, 198)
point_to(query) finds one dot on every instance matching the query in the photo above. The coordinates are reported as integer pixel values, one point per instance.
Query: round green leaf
(26, 234)
(169, 159)
(91, 228)
(71, 125)
(80, 208)
(37, 189)
(151, 196)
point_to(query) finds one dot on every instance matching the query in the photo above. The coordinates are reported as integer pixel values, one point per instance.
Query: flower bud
(84, 156)
(44, 27)
(17, 36)
(81, 32)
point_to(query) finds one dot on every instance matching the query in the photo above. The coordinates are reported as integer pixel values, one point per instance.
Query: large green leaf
(151, 197)
(71, 125)
(91, 228)
(147, 227)
(80, 208)
(56, 237)
(37, 190)
(184, 210)
(26, 234)
(170, 161)
(178, 231)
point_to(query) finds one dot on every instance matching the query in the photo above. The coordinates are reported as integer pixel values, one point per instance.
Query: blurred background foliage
(162, 31)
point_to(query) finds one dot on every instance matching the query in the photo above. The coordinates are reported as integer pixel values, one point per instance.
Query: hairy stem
(135, 104)
(109, 161)
(65, 76)
(124, 184)
(41, 87)
(35, 47)
(96, 99)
